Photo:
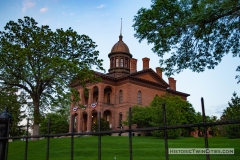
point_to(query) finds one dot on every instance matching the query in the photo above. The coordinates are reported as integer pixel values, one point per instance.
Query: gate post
(5, 120)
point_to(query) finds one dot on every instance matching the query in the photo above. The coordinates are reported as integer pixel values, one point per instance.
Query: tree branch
(222, 15)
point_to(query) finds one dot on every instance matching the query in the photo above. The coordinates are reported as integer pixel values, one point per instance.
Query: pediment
(149, 75)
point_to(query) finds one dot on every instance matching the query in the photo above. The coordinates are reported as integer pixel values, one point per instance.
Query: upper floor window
(120, 96)
(108, 98)
(139, 97)
(117, 62)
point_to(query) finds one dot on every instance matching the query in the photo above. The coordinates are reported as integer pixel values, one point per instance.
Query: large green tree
(232, 112)
(58, 124)
(142, 116)
(14, 104)
(42, 63)
(198, 33)
(173, 114)
(178, 111)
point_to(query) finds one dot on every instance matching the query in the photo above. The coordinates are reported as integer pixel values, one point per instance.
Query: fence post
(48, 139)
(205, 129)
(5, 120)
(165, 131)
(130, 133)
(99, 136)
(72, 138)
(26, 145)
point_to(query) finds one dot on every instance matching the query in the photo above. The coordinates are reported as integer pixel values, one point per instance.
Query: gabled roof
(146, 76)
(149, 75)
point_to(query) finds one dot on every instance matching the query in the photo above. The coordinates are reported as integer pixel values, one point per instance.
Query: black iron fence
(4, 137)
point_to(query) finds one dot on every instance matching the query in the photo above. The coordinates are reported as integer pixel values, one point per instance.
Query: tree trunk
(35, 129)
(36, 118)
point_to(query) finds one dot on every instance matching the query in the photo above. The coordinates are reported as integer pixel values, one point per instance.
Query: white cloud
(42, 10)
(216, 110)
(27, 4)
(101, 6)
(71, 14)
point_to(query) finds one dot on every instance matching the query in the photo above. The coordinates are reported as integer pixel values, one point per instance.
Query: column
(89, 120)
(100, 97)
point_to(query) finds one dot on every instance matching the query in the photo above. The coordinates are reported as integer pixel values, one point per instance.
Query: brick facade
(120, 89)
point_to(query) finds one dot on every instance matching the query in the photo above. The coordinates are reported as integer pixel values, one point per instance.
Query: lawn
(144, 148)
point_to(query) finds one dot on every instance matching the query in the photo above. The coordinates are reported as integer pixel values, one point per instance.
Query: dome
(120, 46)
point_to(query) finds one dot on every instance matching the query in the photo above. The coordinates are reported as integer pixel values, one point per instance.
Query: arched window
(120, 120)
(120, 96)
(139, 97)
(108, 98)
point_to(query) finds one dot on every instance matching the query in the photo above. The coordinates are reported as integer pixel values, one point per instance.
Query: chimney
(145, 63)
(133, 65)
(159, 71)
(172, 83)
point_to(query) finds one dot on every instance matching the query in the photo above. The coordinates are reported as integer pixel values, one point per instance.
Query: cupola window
(126, 62)
(112, 64)
(117, 62)
(121, 62)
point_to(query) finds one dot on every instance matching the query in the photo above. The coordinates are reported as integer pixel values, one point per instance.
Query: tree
(198, 33)
(188, 116)
(104, 125)
(178, 111)
(232, 113)
(173, 114)
(142, 116)
(42, 63)
(58, 124)
(8, 98)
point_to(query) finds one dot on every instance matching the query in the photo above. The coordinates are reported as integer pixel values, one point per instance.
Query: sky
(101, 21)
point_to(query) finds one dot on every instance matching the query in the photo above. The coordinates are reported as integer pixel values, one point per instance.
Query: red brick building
(122, 87)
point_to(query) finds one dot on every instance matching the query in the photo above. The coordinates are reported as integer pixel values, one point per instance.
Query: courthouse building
(122, 87)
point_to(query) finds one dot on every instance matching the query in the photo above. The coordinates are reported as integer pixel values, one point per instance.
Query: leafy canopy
(178, 111)
(42, 63)
(232, 112)
(14, 103)
(58, 124)
(198, 33)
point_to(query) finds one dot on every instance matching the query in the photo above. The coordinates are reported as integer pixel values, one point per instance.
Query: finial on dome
(120, 37)
(121, 28)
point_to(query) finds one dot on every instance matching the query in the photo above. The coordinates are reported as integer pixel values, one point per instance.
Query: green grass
(144, 148)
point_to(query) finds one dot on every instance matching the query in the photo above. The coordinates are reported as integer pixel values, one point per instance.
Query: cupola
(119, 58)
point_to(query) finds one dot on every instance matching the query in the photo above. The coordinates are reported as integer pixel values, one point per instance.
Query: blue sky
(100, 20)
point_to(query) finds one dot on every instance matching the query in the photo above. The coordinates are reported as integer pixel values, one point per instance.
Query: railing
(130, 130)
